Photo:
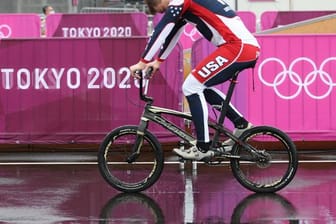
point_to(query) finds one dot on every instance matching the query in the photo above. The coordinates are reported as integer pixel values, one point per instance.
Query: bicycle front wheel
(114, 160)
(272, 167)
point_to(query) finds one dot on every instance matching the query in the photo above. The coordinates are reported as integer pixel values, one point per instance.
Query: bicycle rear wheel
(126, 176)
(273, 168)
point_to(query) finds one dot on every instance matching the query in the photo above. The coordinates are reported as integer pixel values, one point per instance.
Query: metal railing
(115, 9)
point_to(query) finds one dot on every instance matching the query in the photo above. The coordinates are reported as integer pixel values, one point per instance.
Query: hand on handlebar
(149, 69)
(136, 69)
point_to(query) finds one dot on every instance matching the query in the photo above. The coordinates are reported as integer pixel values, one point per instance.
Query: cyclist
(236, 50)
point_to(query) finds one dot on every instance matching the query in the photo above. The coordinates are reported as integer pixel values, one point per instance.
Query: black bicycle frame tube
(225, 107)
(153, 113)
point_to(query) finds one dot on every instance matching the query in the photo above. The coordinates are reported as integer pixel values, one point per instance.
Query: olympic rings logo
(316, 75)
(5, 31)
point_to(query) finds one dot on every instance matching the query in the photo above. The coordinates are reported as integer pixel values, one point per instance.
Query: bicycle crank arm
(214, 163)
(243, 158)
(227, 156)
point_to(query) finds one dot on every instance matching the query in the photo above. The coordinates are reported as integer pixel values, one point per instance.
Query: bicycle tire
(126, 176)
(272, 174)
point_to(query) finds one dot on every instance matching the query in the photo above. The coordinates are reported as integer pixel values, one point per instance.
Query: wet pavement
(67, 188)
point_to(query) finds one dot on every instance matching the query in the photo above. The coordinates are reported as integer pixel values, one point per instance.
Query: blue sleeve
(165, 31)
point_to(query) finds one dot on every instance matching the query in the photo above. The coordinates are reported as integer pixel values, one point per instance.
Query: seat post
(228, 97)
(225, 105)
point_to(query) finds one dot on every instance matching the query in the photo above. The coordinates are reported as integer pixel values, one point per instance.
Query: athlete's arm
(165, 34)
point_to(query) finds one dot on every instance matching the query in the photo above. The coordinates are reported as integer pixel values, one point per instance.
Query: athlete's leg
(193, 90)
(217, 68)
(216, 97)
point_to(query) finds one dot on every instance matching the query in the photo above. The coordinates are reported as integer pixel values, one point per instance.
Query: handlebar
(146, 76)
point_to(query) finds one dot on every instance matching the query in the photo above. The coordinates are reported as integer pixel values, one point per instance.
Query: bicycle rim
(277, 168)
(122, 175)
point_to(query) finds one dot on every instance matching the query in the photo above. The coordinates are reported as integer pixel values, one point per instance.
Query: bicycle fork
(138, 141)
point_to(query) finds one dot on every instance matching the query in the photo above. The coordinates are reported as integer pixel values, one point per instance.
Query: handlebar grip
(138, 72)
(149, 72)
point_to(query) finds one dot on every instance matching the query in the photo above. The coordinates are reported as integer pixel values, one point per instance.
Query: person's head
(157, 6)
(48, 10)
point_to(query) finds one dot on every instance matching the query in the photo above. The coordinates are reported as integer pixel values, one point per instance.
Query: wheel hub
(264, 159)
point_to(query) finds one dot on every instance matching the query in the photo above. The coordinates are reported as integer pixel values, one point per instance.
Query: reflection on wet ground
(76, 193)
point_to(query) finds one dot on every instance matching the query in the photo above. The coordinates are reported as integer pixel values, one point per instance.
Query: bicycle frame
(154, 113)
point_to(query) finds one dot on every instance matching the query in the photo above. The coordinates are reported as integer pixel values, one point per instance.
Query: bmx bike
(131, 158)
